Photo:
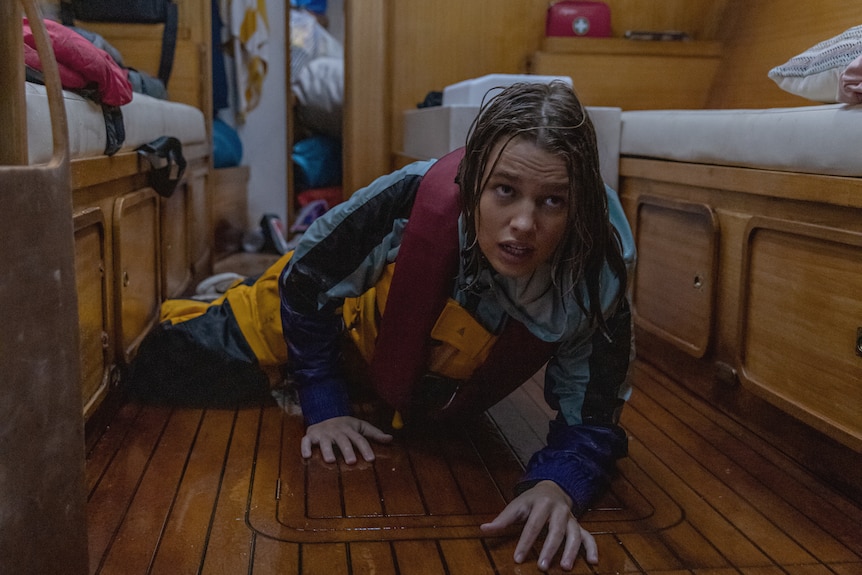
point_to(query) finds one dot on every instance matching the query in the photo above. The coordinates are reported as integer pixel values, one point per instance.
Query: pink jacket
(81, 64)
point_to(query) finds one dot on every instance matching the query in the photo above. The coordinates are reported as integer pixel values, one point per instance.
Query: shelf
(622, 46)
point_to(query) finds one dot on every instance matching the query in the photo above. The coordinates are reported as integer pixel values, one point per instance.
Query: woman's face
(523, 207)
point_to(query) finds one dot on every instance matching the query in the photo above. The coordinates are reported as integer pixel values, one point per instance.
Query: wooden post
(13, 111)
(42, 498)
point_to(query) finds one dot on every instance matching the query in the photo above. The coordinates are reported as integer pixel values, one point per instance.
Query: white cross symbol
(581, 26)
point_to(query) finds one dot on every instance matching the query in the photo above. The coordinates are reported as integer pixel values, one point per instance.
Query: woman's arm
(580, 456)
(341, 255)
(585, 440)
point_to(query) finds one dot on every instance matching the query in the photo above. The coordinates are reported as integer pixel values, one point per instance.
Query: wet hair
(550, 116)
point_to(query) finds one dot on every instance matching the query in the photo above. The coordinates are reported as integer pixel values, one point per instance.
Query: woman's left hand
(546, 504)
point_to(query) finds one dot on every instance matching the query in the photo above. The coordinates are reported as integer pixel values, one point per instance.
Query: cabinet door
(176, 266)
(199, 222)
(136, 267)
(91, 278)
(674, 288)
(801, 323)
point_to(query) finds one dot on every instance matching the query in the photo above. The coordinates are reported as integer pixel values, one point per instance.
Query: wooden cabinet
(748, 286)
(133, 249)
(186, 224)
(632, 74)
(229, 209)
(186, 233)
(118, 282)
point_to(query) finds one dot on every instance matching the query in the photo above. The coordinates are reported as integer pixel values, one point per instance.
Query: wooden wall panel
(191, 76)
(701, 19)
(396, 52)
(365, 140)
(436, 47)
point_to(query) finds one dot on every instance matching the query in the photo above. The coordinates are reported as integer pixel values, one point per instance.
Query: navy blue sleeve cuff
(323, 400)
(581, 459)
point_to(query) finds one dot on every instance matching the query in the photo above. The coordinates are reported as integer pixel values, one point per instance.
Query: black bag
(130, 12)
(167, 164)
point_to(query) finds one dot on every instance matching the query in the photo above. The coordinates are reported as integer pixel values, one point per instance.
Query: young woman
(515, 238)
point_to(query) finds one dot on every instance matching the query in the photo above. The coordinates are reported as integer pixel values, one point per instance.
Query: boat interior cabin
(741, 178)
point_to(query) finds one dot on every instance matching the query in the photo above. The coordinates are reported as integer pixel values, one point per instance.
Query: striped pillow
(815, 73)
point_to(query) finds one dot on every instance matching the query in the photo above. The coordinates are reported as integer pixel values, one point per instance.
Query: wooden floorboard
(226, 492)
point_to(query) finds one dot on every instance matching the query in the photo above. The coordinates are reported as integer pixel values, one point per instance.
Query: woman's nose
(523, 218)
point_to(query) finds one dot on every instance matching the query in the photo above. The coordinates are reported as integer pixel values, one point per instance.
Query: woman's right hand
(346, 433)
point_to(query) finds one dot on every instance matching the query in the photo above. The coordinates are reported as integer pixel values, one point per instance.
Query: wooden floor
(225, 491)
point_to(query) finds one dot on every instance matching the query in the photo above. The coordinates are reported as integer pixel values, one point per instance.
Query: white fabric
(249, 31)
(319, 90)
(811, 139)
(145, 119)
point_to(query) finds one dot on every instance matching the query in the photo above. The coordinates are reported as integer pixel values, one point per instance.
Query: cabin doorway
(315, 69)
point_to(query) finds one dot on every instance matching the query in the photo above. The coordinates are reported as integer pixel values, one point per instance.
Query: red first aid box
(574, 18)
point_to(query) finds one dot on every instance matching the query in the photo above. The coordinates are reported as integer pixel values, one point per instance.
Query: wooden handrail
(51, 73)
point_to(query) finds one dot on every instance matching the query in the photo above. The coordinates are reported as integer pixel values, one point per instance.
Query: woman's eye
(504, 191)
(555, 201)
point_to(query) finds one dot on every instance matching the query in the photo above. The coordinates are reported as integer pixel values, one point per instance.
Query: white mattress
(812, 139)
(145, 119)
